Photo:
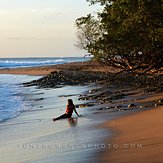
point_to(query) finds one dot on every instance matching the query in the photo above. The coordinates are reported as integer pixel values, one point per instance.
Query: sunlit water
(32, 62)
(12, 103)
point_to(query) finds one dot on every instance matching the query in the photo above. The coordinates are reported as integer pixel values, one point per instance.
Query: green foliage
(102, 2)
(131, 30)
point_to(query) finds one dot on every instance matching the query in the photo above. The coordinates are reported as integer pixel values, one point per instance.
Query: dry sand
(45, 70)
(138, 138)
(28, 71)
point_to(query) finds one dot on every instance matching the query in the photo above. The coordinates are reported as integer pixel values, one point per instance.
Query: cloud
(49, 11)
(35, 17)
(22, 38)
(19, 38)
(39, 11)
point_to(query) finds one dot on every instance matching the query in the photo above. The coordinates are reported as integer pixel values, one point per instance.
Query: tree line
(125, 34)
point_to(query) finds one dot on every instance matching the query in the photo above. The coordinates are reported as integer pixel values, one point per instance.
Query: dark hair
(70, 101)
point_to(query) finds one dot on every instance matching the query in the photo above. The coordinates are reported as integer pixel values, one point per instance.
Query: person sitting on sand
(69, 110)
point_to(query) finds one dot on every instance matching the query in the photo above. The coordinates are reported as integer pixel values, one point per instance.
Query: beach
(137, 137)
(34, 137)
(45, 70)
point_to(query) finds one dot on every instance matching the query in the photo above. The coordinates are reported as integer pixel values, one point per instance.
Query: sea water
(12, 101)
(32, 62)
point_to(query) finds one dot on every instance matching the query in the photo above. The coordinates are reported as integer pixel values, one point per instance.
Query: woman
(69, 110)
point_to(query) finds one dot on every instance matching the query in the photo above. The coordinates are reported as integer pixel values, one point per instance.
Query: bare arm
(76, 112)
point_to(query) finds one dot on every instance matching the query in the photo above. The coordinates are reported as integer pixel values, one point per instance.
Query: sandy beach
(33, 137)
(137, 138)
(45, 70)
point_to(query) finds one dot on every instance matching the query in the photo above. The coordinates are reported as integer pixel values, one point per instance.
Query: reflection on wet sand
(73, 122)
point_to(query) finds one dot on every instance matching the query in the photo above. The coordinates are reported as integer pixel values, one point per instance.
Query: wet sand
(34, 137)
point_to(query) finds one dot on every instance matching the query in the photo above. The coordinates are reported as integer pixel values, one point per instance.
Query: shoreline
(34, 137)
(119, 100)
(45, 70)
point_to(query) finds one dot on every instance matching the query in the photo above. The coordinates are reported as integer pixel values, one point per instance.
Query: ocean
(32, 62)
(12, 101)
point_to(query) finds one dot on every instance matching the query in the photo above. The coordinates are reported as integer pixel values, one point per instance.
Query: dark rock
(156, 105)
(141, 107)
(160, 101)
(119, 106)
(38, 99)
(66, 78)
(131, 105)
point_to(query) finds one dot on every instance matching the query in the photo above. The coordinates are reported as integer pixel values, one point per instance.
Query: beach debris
(89, 104)
(102, 108)
(131, 105)
(124, 109)
(68, 95)
(38, 99)
(118, 106)
(156, 105)
(82, 106)
(160, 100)
(141, 107)
(107, 107)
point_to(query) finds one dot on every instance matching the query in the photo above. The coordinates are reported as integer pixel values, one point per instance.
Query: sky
(40, 28)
